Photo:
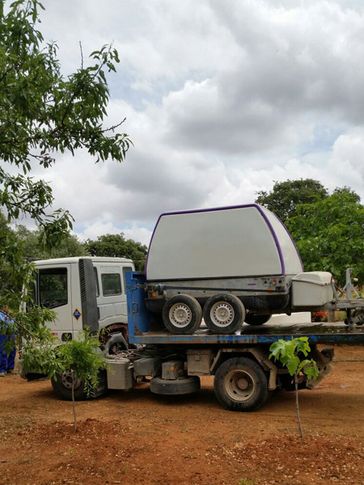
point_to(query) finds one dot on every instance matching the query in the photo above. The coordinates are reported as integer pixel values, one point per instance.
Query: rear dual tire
(240, 384)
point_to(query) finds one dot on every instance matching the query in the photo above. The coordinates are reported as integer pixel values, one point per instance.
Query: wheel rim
(180, 315)
(239, 385)
(66, 379)
(222, 314)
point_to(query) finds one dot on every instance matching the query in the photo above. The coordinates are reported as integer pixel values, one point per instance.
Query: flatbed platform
(144, 329)
(325, 333)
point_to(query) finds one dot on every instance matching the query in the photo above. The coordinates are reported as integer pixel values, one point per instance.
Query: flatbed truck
(243, 374)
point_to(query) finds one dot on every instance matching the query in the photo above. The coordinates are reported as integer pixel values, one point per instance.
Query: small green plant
(292, 355)
(80, 358)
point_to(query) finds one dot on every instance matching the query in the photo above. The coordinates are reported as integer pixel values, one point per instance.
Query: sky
(221, 99)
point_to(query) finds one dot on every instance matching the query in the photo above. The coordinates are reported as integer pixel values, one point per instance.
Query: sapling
(292, 355)
(80, 358)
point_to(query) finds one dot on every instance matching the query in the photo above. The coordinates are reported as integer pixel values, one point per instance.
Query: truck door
(111, 295)
(110, 301)
(54, 292)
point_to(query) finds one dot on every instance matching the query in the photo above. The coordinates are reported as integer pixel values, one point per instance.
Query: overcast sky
(222, 98)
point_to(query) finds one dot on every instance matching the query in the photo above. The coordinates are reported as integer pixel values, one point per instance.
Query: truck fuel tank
(119, 373)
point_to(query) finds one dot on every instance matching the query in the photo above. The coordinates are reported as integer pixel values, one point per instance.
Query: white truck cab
(85, 292)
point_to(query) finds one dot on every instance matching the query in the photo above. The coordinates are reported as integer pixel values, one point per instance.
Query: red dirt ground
(137, 438)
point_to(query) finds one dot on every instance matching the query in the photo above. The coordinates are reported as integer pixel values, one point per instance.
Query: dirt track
(136, 437)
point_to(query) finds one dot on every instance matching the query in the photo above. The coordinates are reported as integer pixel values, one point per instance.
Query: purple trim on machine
(214, 209)
(278, 246)
(289, 235)
(293, 242)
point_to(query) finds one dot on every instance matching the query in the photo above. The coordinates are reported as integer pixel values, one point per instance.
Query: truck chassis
(173, 364)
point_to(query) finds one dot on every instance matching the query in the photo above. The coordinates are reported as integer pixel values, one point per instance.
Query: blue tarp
(7, 351)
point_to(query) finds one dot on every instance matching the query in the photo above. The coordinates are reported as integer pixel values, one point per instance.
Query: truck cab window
(53, 290)
(111, 284)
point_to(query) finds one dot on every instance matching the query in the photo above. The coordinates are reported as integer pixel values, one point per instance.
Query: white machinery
(228, 265)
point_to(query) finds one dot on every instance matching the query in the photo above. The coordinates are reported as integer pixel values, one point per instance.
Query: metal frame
(143, 328)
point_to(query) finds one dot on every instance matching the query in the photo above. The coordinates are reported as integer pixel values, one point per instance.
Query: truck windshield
(53, 290)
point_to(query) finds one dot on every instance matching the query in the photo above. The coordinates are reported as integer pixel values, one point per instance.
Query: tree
(117, 245)
(14, 268)
(286, 196)
(43, 112)
(329, 234)
(34, 247)
(7, 239)
(292, 355)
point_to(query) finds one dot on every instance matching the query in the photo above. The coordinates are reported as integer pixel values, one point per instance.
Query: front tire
(240, 384)
(62, 386)
(182, 314)
(224, 313)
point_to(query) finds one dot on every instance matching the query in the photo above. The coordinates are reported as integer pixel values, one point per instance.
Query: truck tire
(176, 387)
(182, 314)
(62, 386)
(357, 316)
(224, 313)
(240, 384)
(253, 319)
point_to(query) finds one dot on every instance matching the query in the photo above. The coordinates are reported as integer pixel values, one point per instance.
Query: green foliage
(18, 247)
(8, 255)
(293, 354)
(32, 323)
(15, 270)
(34, 248)
(84, 358)
(39, 355)
(286, 196)
(329, 234)
(328, 229)
(45, 355)
(43, 112)
(290, 354)
(115, 245)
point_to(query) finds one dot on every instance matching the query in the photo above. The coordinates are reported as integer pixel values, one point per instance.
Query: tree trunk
(298, 408)
(74, 402)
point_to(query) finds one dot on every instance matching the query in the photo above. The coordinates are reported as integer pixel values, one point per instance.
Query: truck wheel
(62, 386)
(224, 313)
(240, 384)
(182, 314)
(253, 319)
(177, 387)
(358, 316)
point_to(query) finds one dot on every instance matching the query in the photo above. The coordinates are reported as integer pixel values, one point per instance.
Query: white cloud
(98, 228)
(221, 99)
(141, 234)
